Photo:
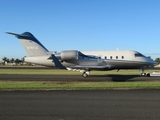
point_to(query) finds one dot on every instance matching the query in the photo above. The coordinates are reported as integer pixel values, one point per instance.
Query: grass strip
(42, 85)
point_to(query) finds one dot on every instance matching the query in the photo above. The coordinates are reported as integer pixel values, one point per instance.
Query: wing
(90, 67)
(80, 67)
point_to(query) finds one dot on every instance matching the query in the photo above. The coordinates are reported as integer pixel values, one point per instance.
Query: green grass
(66, 72)
(77, 85)
(38, 71)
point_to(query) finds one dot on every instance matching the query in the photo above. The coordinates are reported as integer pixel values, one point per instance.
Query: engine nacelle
(69, 55)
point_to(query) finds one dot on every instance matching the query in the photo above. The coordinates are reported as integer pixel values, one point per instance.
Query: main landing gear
(85, 74)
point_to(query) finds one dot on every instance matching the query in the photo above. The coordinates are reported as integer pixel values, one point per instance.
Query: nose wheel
(145, 74)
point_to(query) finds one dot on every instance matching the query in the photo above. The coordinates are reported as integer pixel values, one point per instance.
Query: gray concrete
(80, 105)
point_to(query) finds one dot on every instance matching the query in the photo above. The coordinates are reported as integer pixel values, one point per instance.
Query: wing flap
(90, 67)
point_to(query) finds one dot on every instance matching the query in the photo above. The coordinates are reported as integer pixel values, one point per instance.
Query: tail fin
(31, 45)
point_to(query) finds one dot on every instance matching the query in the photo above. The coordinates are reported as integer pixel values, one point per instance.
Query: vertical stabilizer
(31, 45)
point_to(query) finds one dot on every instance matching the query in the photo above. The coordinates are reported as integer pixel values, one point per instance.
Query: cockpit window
(138, 55)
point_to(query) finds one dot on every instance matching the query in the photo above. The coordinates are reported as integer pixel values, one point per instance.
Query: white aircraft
(85, 61)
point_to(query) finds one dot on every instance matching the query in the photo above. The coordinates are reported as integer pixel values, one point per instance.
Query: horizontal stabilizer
(18, 35)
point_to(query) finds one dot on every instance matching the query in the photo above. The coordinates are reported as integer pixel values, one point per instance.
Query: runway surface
(80, 105)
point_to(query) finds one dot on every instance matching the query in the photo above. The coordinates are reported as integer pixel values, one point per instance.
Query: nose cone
(155, 63)
(151, 63)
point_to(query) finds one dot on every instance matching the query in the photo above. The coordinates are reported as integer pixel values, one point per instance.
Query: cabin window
(110, 57)
(116, 57)
(122, 57)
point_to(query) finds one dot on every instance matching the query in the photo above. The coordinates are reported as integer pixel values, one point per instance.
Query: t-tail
(31, 45)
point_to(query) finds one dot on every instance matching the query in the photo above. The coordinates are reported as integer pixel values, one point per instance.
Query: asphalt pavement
(70, 78)
(80, 105)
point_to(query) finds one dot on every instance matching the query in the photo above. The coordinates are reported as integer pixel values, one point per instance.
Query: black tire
(84, 75)
(148, 74)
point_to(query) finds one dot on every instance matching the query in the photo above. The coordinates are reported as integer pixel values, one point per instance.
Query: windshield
(138, 55)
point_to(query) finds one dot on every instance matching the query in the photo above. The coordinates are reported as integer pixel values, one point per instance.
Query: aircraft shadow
(118, 78)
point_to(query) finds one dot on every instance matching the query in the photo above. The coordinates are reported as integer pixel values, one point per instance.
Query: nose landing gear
(145, 74)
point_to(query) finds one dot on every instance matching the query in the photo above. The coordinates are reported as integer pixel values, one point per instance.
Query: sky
(81, 25)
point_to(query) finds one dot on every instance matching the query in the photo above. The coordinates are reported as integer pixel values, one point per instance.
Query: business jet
(83, 61)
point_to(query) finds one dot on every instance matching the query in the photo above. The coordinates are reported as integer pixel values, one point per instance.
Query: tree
(23, 59)
(157, 60)
(5, 60)
(12, 60)
(17, 61)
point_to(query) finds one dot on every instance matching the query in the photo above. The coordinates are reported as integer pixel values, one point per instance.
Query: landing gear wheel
(148, 74)
(85, 75)
(145, 74)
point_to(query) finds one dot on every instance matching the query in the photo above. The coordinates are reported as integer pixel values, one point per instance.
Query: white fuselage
(118, 59)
